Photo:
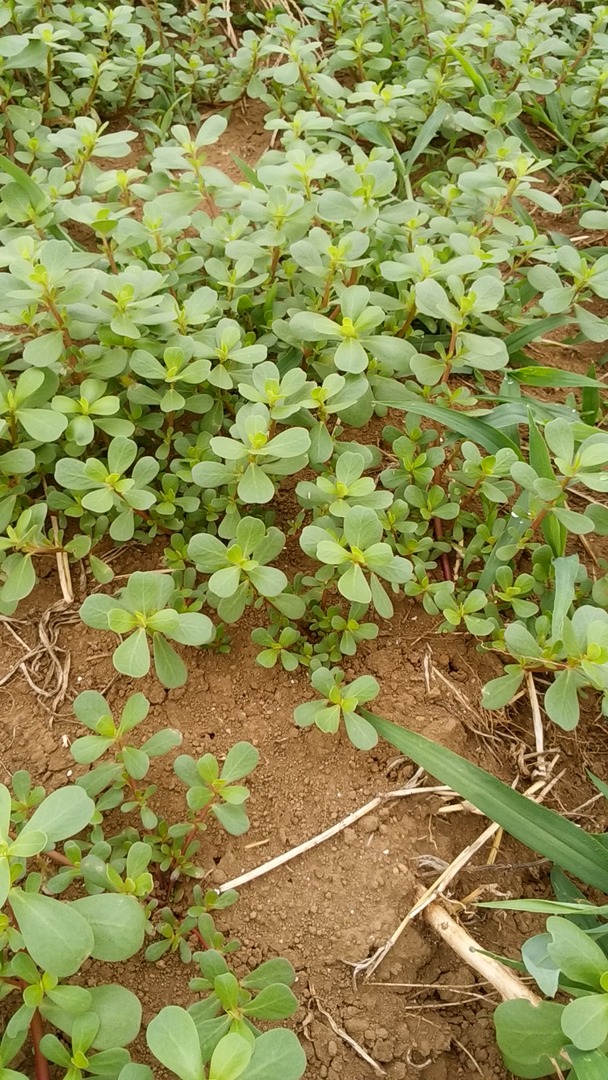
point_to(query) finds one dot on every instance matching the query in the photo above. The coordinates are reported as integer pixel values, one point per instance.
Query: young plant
(174, 1039)
(341, 701)
(141, 612)
(45, 941)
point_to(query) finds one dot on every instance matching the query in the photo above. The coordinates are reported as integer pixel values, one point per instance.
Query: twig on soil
(502, 978)
(414, 1064)
(410, 788)
(537, 720)
(370, 964)
(44, 666)
(230, 34)
(469, 1055)
(63, 566)
(345, 1036)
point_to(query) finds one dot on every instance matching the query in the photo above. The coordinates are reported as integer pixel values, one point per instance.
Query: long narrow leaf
(533, 330)
(29, 187)
(590, 399)
(548, 376)
(249, 173)
(426, 135)
(389, 392)
(537, 827)
(35, 196)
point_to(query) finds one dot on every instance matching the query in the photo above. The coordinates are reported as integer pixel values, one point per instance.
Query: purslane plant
(115, 883)
(142, 611)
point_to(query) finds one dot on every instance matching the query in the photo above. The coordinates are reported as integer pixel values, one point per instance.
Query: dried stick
(345, 1036)
(370, 964)
(272, 864)
(537, 720)
(505, 982)
(63, 566)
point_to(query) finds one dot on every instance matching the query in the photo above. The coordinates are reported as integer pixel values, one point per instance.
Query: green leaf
(540, 829)
(26, 846)
(230, 1057)
(529, 1036)
(5, 879)
(548, 376)
(117, 923)
(170, 668)
(498, 692)
(389, 392)
(566, 571)
(540, 965)
(272, 1003)
(576, 954)
(585, 1021)
(56, 935)
(561, 699)
(62, 814)
(20, 580)
(426, 134)
(146, 590)
(173, 1039)
(89, 748)
(5, 812)
(193, 628)
(354, 586)
(135, 761)
(589, 1064)
(43, 425)
(277, 970)
(95, 609)
(241, 759)
(132, 656)
(255, 486)
(232, 817)
(360, 731)
(55, 1051)
(162, 742)
(119, 1014)
(277, 1055)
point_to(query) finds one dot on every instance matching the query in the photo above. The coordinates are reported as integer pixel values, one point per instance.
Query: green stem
(133, 84)
(47, 85)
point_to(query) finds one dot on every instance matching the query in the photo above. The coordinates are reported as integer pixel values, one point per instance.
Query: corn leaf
(539, 828)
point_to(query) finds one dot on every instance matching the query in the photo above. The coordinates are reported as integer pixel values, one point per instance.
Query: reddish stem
(445, 562)
(58, 857)
(197, 935)
(198, 822)
(37, 1031)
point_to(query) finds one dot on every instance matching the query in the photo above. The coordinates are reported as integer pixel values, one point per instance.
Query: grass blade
(590, 399)
(539, 828)
(249, 173)
(426, 135)
(469, 427)
(548, 376)
(532, 331)
(35, 196)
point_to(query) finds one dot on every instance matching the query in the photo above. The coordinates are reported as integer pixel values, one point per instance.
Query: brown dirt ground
(338, 903)
(424, 1014)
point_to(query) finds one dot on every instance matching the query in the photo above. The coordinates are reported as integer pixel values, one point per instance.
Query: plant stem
(36, 1032)
(47, 85)
(197, 823)
(132, 85)
(445, 562)
(58, 857)
(109, 255)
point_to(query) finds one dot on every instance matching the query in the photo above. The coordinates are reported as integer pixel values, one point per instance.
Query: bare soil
(422, 1014)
